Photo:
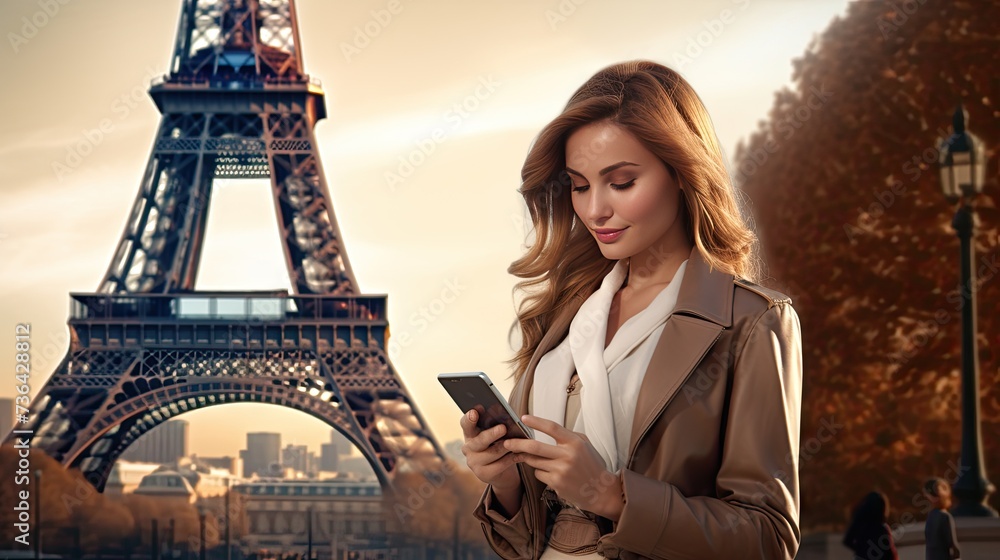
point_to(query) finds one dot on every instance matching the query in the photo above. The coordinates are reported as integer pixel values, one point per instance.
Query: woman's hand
(571, 467)
(486, 456)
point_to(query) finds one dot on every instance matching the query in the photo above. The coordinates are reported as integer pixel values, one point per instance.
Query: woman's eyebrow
(604, 171)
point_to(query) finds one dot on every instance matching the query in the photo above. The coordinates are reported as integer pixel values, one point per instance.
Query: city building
(328, 457)
(262, 456)
(206, 480)
(346, 516)
(126, 476)
(312, 464)
(231, 464)
(295, 457)
(356, 467)
(331, 452)
(166, 443)
(167, 484)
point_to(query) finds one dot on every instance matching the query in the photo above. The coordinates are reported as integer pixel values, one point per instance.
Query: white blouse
(610, 377)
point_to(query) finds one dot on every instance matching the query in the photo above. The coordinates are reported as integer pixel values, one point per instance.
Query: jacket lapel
(556, 332)
(703, 310)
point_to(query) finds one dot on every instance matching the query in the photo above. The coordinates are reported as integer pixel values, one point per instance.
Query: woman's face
(623, 193)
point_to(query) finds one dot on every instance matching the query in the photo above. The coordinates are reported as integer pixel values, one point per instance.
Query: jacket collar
(706, 294)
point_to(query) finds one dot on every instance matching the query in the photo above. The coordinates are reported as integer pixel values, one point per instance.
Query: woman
(868, 535)
(664, 388)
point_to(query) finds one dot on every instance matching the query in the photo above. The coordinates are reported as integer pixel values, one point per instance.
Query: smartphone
(475, 390)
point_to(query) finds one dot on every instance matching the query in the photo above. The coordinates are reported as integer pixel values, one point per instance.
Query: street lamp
(201, 532)
(309, 530)
(963, 164)
(229, 548)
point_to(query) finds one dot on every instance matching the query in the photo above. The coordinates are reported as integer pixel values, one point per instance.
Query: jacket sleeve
(756, 513)
(509, 538)
(953, 550)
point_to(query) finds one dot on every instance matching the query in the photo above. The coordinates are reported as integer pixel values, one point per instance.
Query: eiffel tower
(147, 347)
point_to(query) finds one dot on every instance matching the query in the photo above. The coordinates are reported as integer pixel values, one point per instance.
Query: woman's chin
(613, 253)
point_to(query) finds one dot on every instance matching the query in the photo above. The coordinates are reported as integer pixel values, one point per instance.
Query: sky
(78, 129)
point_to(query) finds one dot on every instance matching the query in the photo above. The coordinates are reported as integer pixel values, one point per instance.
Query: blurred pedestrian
(939, 531)
(868, 535)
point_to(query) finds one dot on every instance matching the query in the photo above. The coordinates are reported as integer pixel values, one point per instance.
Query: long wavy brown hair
(657, 106)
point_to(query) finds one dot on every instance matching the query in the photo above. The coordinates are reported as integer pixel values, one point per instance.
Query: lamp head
(962, 161)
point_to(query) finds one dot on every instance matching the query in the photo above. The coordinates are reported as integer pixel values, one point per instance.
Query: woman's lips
(608, 235)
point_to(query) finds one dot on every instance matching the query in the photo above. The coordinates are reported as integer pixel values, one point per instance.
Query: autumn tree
(843, 182)
(73, 509)
(69, 505)
(437, 504)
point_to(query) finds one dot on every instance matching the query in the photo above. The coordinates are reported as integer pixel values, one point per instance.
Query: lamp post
(154, 539)
(229, 548)
(38, 513)
(201, 532)
(309, 531)
(963, 164)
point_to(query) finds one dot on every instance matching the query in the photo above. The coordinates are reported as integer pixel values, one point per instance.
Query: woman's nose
(598, 207)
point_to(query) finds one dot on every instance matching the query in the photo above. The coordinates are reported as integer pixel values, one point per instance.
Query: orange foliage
(847, 198)
(70, 504)
(429, 505)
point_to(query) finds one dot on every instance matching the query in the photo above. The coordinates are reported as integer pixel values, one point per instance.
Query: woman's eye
(625, 185)
(580, 188)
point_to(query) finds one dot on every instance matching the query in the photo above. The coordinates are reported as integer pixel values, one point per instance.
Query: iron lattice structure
(147, 347)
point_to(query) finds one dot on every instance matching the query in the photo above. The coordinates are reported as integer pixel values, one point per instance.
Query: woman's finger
(540, 464)
(491, 471)
(554, 429)
(485, 438)
(533, 447)
(468, 423)
(489, 455)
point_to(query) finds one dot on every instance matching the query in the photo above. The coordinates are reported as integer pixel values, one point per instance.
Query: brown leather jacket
(714, 450)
